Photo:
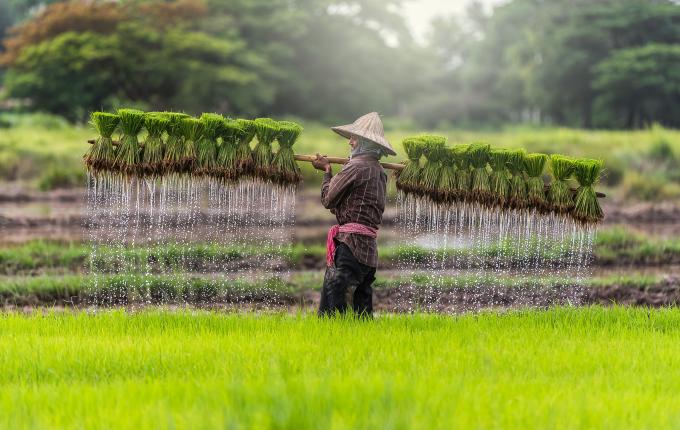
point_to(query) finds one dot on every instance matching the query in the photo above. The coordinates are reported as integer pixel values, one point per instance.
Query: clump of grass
(174, 147)
(244, 155)
(206, 149)
(286, 170)
(500, 178)
(266, 130)
(463, 176)
(226, 166)
(154, 148)
(128, 153)
(560, 195)
(192, 130)
(534, 165)
(100, 156)
(478, 154)
(586, 206)
(409, 177)
(447, 192)
(518, 186)
(434, 152)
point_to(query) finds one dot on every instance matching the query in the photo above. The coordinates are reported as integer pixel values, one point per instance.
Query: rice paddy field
(122, 328)
(560, 368)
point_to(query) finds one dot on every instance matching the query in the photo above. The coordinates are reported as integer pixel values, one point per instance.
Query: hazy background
(605, 63)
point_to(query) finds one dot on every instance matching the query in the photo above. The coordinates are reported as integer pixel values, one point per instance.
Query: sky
(419, 13)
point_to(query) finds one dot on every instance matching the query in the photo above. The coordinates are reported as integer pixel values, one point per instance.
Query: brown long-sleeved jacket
(357, 194)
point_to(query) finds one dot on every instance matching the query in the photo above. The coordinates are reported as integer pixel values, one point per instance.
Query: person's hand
(321, 163)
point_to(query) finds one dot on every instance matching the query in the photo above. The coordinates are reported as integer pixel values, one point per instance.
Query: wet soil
(402, 299)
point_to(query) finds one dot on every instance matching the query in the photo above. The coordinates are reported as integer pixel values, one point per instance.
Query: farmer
(356, 196)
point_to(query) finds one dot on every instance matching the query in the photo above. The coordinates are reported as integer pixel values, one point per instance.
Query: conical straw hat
(369, 127)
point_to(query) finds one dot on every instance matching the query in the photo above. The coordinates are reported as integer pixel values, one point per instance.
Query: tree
(638, 86)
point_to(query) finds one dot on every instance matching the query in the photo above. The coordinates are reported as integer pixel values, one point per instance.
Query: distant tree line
(584, 63)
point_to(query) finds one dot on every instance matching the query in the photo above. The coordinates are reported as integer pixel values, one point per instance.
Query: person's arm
(333, 188)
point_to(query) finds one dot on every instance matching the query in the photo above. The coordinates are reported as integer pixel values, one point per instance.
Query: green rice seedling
(447, 180)
(560, 196)
(434, 151)
(100, 156)
(206, 149)
(480, 191)
(174, 147)
(192, 130)
(463, 173)
(226, 166)
(500, 177)
(409, 177)
(586, 206)
(154, 148)
(266, 130)
(128, 153)
(244, 155)
(534, 165)
(518, 185)
(286, 170)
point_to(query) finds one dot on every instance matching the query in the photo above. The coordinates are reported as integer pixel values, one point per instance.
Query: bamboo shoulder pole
(342, 160)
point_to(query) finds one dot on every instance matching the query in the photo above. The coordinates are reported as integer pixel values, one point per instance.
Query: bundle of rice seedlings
(463, 174)
(534, 164)
(586, 206)
(480, 191)
(286, 170)
(174, 146)
(434, 151)
(518, 185)
(266, 130)
(206, 148)
(128, 154)
(500, 177)
(192, 130)
(409, 177)
(447, 191)
(100, 156)
(154, 148)
(244, 155)
(560, 195)
(226, 166)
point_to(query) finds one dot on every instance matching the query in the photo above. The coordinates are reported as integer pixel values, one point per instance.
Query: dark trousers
(347, 274)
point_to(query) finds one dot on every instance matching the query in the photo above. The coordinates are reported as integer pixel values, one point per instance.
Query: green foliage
(226, 163)
(193, 130)
(534, 165)
(500, 178)
(447, 189)
(244, 155)
(463, 172)
(518, 186)
(156, 125)
(128, 152)
(434, 150)
(586, 206)
(285, 169)
(60, 177)
(409, 177)
(266, 130)
(101, 155)
(207, 146)
(478, 156)
(174, 148)
(560, 195)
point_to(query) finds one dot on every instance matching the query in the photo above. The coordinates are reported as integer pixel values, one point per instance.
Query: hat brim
(347, 132)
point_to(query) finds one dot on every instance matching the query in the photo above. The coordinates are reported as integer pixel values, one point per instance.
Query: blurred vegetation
(576, 63)
(46, 152)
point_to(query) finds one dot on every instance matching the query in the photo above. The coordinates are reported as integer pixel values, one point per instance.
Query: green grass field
(562, 368)
(639, 165)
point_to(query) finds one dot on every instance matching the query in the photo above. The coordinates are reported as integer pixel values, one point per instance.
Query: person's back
(356, 196)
